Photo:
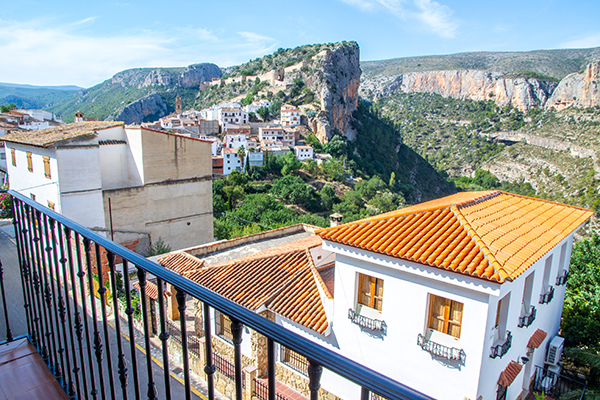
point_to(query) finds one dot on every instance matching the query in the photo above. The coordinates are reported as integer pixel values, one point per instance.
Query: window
(47, 167)
(14, 157)
(445, 315)
(29, 161)
(370, 291)
(223, 326)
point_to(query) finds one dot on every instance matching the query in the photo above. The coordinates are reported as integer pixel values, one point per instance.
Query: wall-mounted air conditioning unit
(555, 350)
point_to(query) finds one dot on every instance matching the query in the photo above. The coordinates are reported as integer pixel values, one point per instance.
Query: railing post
(122, 362)
(209, 368)
(164, 336)
(271, 368)
(9, 336)
(151, 386)
(181, 306)
(102, 293)
(236, 330)
(129, 311)
(314, 376)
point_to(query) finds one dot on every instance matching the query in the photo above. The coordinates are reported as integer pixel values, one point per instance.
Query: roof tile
(491, 235)
(536, 339)
(510, 373)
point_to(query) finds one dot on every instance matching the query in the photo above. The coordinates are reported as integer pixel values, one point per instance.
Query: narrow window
(47, 167)
(29, 161)
(14, 157)
(445, 315)
(527, 290)
(546, 279)
(223, 326)
(502, 315)
(370, 291)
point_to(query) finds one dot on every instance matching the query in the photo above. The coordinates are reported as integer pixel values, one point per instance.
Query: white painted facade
(304, 152)
(231, 161)
(256, 158)
(290, 115)
(405, 305)
(235, 141)
(276, 133)
(215, 144)
(159, 183)
(231, 115)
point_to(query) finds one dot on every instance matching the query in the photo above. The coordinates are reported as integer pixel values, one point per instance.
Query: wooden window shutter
(29, 161)
(47, 167)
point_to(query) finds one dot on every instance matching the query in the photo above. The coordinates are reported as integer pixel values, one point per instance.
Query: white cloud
(436, 17)
(592, 40)
(34, 53)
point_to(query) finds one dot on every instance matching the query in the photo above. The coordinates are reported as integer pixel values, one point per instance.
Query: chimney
(78, 116)
(335, 219)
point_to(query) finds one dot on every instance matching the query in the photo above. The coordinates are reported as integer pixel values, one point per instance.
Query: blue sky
(84, 43)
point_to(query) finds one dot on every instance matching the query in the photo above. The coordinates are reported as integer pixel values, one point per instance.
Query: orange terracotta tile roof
(49, 136)
(490, 235)
(509, 374)
(283, 279)
(181, 263)
(536, 339)
(151, 290)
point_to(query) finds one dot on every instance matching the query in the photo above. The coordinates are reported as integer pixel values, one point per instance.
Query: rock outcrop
(149, 108)
(522, 93)
(578, 89)
(334, 76)
(192, 76)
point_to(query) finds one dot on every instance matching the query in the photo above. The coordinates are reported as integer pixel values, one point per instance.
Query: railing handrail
(355, 372)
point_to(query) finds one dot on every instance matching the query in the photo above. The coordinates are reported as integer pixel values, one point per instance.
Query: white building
(231, 160)
(458, 298)
(255, 158)
(276, 133)
(231, 115)
(290, 115)
(235, 141)
(256, 104)
(156, 182)
(215, 144)
(303, 152)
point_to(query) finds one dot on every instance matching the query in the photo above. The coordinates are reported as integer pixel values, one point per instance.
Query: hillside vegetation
(24, 97)
(552, 63)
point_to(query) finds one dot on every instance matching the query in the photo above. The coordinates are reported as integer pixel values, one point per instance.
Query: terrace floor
(24, 375)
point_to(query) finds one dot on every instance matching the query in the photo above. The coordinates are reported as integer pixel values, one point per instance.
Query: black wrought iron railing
(441, 351)
(556, 385)
(261, 390)
(366, 322)
(501, 349)
(526, 320)
(547, 296)
(293, 360)
(67, 317)
(562, 278)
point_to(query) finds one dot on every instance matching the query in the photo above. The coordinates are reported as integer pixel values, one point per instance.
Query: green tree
(275, 108)
(291, 164)
(581, 311)
(312, 140)
(328, 197)
(8, 107)
(264, 113)
(248, 99)
(241, 153)
(236, 178)
(368, 189)
(158, 247)
(333, 170)
(336, 146)
(234, 193)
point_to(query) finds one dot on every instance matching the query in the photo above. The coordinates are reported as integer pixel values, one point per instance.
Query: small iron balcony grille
(366, 322)
(562, 278)
(293, 360)
(528, 319)
(547, 297)
(441, 351)
(501, 349)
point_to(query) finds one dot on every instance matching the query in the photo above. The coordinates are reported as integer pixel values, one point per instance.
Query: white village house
(290, 115)
(231, 160)
(151, 182)
(458, 298)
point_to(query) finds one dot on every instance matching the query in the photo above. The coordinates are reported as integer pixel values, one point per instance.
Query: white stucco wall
(34, 183)
(405, 310)
(547, 319)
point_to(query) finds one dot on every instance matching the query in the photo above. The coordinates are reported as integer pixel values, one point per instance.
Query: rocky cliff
(578, 89)
(334, 75)
(522, 93)
(149, 108)
(191, 76)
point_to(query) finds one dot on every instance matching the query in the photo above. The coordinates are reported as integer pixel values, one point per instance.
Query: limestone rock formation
(148, 108)
(522, 93)
(334, 75)
(578, 89)
(192, 76)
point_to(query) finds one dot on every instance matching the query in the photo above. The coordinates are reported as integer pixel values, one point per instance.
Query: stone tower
(178, 106)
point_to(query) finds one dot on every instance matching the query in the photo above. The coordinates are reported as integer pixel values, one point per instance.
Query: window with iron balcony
(368, 304)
